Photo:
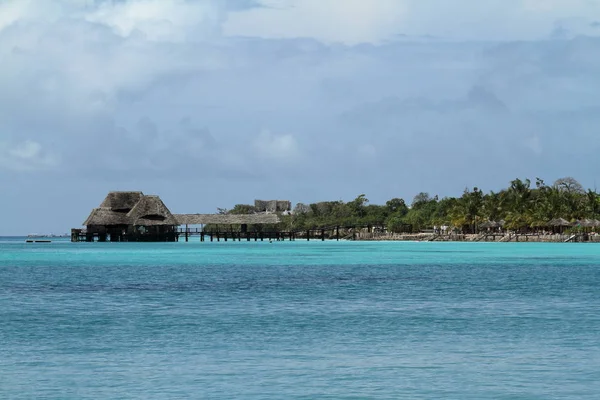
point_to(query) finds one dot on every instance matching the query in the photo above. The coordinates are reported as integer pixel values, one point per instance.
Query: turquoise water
(299, 320)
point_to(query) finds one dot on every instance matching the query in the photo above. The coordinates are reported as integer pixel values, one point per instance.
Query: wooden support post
(186, 233)
(322, 234)
(308, 235)
(337, 233)
(202, 236)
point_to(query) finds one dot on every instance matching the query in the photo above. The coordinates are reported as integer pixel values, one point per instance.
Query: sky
(211, 103)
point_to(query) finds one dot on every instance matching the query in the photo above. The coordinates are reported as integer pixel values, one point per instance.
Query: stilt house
(131, 216)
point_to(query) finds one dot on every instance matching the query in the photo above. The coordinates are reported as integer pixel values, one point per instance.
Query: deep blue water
(299, 320)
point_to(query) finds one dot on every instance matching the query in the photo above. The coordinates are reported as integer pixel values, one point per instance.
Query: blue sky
(210, 103)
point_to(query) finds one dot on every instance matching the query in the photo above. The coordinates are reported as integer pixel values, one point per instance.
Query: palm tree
(516, 203)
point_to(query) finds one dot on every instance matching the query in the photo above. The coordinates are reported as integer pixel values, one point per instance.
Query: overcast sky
(210, 103)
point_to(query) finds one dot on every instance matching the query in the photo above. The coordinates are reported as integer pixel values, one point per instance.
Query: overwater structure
(132, 216)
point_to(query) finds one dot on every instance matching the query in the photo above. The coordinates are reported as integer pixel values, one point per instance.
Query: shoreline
(480, 238)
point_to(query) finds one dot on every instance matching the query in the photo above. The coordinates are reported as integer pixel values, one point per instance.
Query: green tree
(396, 205)
(357, 206)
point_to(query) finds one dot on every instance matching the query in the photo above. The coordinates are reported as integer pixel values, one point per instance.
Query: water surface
(299, 320)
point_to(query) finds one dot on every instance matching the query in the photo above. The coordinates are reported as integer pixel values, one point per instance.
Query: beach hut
(131, 216)
(151, 217)
(489, 225)
(559, 223)
(121, 201)
(583, 223)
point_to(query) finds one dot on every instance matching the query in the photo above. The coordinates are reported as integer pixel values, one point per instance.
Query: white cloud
(28, 155)
(279, 147)
(348, 21)
(160, 20)
(376, 21)
(27, 150)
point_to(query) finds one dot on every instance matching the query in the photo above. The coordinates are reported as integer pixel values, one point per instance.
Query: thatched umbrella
(584, 223)
(559, 223)
(489, 224)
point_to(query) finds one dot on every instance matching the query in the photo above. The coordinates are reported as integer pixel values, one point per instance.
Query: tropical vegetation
(522, 206)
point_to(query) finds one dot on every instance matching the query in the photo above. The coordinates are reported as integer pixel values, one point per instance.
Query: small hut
(490, 225)
(131, 216)
(560, 224)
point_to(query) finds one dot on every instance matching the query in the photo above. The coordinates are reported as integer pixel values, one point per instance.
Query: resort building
(131, 216)
(136, 217)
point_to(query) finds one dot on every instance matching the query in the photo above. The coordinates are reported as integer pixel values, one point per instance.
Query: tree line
(521, 206)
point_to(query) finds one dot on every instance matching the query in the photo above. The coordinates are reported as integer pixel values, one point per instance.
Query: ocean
(299, 320)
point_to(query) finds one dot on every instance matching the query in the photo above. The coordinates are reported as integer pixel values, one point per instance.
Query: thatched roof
(559, 222)
(121, 201)
(135, 208)
(131, 208)
(226, 219)
(106, 216)
(150, 210)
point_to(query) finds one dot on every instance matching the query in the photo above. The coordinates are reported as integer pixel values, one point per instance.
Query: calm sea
(317, 320)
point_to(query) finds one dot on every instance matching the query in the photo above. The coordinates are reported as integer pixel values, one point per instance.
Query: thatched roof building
(151, 211)
(106, 216)
(227, 219)
(121, 201)
(559, 222)
(134, 216)
(123, 212)
(490, 224)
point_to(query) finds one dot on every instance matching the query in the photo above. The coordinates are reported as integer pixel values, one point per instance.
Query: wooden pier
(186, 234)
(312, 234)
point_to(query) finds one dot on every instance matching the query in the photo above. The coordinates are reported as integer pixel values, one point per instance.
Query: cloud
(351, 21)
(276, 147)
(26, 156)
(378, 21)
(157, 20)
